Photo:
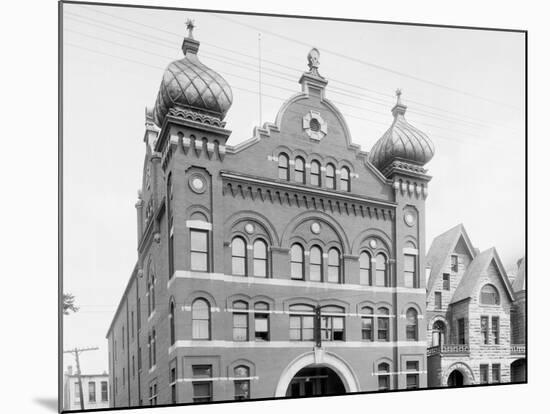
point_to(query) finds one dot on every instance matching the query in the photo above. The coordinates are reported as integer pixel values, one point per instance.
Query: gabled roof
(467, 287)
(441, 248)
(519, 282)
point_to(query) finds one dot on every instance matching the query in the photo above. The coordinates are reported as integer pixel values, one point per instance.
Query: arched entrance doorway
(325, 369)
(518, 370)
(456, 379)
(315, 381)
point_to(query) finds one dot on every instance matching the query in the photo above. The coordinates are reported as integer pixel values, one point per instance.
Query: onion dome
(190, 85)
(401, 143)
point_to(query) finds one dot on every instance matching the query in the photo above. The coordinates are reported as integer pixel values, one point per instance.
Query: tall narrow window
(438, 333)
(367, 324)
(412, 375)
(484, 330)
(334, 265)
(412, 325)
(240, 321)
(330, 176)
(446, 281)
(332, 324)
(242, 382)
(383, 376)
(484, 374)
(91, 391)
(496, 372)
(202, 386)
(154, 345)
(170, 245)
(138, 310)
(410, 271)
(172, 318)
(461, 331)
(201, 319)
(133, 366)
(238, 256)
(438, 300)
(315, 264)
(152, 293)
(150, 350)
(299, 170)
(123, 338)
(383, 322)
(495, 330)
(153, 393)
(301, 323)
(261, 321)
(173, 382)
(364, 269)
(454, 263)
(283, 167)
(260, 258)
(315, 173)
(345, 179)
(104, 391)
(489, 295)
(199, 250)
(381, 271)
(77, 391)
(297, 261)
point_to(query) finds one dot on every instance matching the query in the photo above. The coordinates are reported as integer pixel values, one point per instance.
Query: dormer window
(454, 263)
(489, 295)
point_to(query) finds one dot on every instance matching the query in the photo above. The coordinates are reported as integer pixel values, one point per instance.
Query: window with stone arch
(315, 264)
(200, 315)
(345, 184)
(297, 268)
(438, 333)
(299, 170)
(283, 167)
(365, 276)
(260, 262)
(334, 265)
(412, 324)
(238, 256)
(489, 295)
(315, 173)
(381, 270)
(330, 174)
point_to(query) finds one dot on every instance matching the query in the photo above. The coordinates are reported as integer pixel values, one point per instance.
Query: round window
(197, 183)
(314, 125)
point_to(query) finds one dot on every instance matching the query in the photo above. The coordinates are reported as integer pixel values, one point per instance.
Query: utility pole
(76, 351)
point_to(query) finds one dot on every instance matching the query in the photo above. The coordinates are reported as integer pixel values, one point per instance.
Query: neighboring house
(94, 387)
(473, 315)
(286, 265)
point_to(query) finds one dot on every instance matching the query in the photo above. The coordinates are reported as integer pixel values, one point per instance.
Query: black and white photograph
(268, 206)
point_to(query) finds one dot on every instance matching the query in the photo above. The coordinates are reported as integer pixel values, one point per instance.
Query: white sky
(478, 168)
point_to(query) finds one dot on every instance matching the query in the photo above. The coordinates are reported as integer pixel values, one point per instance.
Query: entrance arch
(452, 375)
(456, 379)
(518, 370)
(317, 359)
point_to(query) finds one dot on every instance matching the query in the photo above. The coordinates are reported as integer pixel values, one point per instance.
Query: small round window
(314, 125)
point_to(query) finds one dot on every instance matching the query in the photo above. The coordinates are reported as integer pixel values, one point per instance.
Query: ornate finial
(398, 94)
(190, 26)
(313, 61)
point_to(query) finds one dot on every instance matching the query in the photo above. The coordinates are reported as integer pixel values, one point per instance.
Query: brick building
(286, 265)
(475, 318)
(95, 390)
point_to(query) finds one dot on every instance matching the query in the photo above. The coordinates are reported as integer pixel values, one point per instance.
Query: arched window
(383, 376)
(383, 322)
(332, 324)
(381, 270)
(242, 382)
(240, 321)
(315, 173)
(333, 265)
(412, 325)
(200, 315)
(438, 333)
(301, 322)
(238, 256)
(315, 264)
(331, 177)
(345, 179)
(260, 258)
(172, 318)
(151, 294)
(169, 192)
(410, 271)
(364, 269)
(299, 170)
(489, 295)
(283, 167)
(367, 324)
(297, 261)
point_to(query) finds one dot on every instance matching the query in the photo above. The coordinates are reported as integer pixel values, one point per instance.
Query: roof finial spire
(398, 94)
(313, 61)
(399, 108)
(190, 23)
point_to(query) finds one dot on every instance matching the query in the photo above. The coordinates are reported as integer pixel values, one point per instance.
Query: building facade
(475, 316)
(286, 265)
(95, 391)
